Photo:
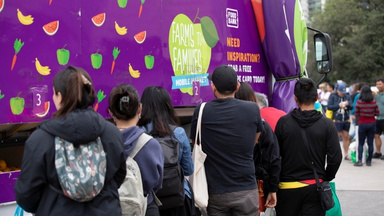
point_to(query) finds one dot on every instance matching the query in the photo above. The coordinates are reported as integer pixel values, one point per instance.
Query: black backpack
(172, 193)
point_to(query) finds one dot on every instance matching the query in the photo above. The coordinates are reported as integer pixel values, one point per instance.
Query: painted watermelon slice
(2, 5)
(47, 104)
(51, 28)
(99, 19)
(140, 37)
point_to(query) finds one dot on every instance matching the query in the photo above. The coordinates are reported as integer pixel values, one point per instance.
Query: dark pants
(188, 209)
(152, 209)
(235, 203)
(299, 202)
(366, 131)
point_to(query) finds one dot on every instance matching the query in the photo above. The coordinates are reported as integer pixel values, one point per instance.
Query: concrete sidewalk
(361, 189)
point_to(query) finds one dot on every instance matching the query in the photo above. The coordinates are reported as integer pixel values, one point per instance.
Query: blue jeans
(366, 131)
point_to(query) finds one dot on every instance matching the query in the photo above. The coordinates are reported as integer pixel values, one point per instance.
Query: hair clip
(124, 99)
(85, 80)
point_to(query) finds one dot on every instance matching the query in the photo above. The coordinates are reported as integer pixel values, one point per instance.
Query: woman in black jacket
(74, 121)
(266, 156)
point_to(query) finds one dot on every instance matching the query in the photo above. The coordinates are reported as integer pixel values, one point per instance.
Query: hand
(271, 200)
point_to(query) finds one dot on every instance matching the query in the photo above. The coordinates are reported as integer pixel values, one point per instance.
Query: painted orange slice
(51, 28)
(99, 19)
(140, 37)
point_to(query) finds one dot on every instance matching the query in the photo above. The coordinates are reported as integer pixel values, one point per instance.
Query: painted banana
(43, 70)
(134, 73)
(25, 20)
(120, 30)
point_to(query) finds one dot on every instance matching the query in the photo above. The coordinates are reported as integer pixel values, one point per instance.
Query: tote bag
(198, 179)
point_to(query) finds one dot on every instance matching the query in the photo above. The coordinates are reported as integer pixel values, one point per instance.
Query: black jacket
(32, 189)
(323, 139)
(267, 155)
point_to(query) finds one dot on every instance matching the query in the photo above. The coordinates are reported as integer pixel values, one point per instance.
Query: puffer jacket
(38, 170)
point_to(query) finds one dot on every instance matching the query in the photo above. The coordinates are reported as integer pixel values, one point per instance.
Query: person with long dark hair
(365, 110)
(297, 192)
(266, 156)
(158, 117)
(76, 122)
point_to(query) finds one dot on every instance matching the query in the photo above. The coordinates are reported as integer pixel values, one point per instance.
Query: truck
(167, 43)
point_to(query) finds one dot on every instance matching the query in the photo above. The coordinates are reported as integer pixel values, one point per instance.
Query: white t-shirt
(324, 98)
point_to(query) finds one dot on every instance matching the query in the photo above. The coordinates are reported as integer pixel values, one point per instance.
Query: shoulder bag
(198, 179)
(324, 190)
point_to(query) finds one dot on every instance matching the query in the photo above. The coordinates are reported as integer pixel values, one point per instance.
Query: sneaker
(358, 163)
(347, 158)
(377, 155)
(368, 163)
(382, 157)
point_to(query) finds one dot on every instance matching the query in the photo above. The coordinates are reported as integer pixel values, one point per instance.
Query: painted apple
(96, 60)
(149, 61)
(122, 3)
(188, 49)
(62, 55)
(17, 104)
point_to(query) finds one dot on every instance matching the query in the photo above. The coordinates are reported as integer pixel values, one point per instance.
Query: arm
(333, 103)
(271, 200)
(333, 152)
(271, 158)
(192, 133)
(151, 162)
(185, 151)
(31, 182)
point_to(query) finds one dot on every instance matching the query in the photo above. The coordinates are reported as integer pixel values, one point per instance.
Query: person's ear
(140, 109)
(213, 87)
(237, 87)
(296, 100)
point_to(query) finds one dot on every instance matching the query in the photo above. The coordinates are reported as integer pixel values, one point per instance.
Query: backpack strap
(141, 141)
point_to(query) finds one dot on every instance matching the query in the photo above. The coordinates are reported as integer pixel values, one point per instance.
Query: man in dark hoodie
(297, 192)
(76, 122)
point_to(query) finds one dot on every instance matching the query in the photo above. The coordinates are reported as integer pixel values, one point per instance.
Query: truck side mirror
(323, 52)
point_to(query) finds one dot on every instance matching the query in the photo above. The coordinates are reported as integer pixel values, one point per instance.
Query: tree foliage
(356, 28)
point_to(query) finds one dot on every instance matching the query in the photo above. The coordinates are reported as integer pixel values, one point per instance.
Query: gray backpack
(132, 199)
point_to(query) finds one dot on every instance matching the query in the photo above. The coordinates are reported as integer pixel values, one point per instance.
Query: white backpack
(132, 199)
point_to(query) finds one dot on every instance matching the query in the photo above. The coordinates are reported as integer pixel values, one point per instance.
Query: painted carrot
(17, 46)
(50, 2)
(115, 53)
(140, 10)
(141, 7)
(100, 97)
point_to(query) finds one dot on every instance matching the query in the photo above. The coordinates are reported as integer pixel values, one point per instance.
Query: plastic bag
(269, 212)
(336, 209)
(19, 211)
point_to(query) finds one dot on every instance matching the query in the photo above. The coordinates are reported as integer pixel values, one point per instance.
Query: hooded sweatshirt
(150, 160)
(324, 144)
(38, 170)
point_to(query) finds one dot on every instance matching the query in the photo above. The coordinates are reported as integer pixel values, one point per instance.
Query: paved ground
(361, 189)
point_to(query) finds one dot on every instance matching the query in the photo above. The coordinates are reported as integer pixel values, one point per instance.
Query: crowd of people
(258, 157)
(359, 117)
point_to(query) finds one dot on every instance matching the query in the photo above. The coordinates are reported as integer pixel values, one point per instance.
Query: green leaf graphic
(209, 31)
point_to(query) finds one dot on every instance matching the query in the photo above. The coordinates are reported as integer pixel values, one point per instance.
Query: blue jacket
(333, 104)
(150, 160)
